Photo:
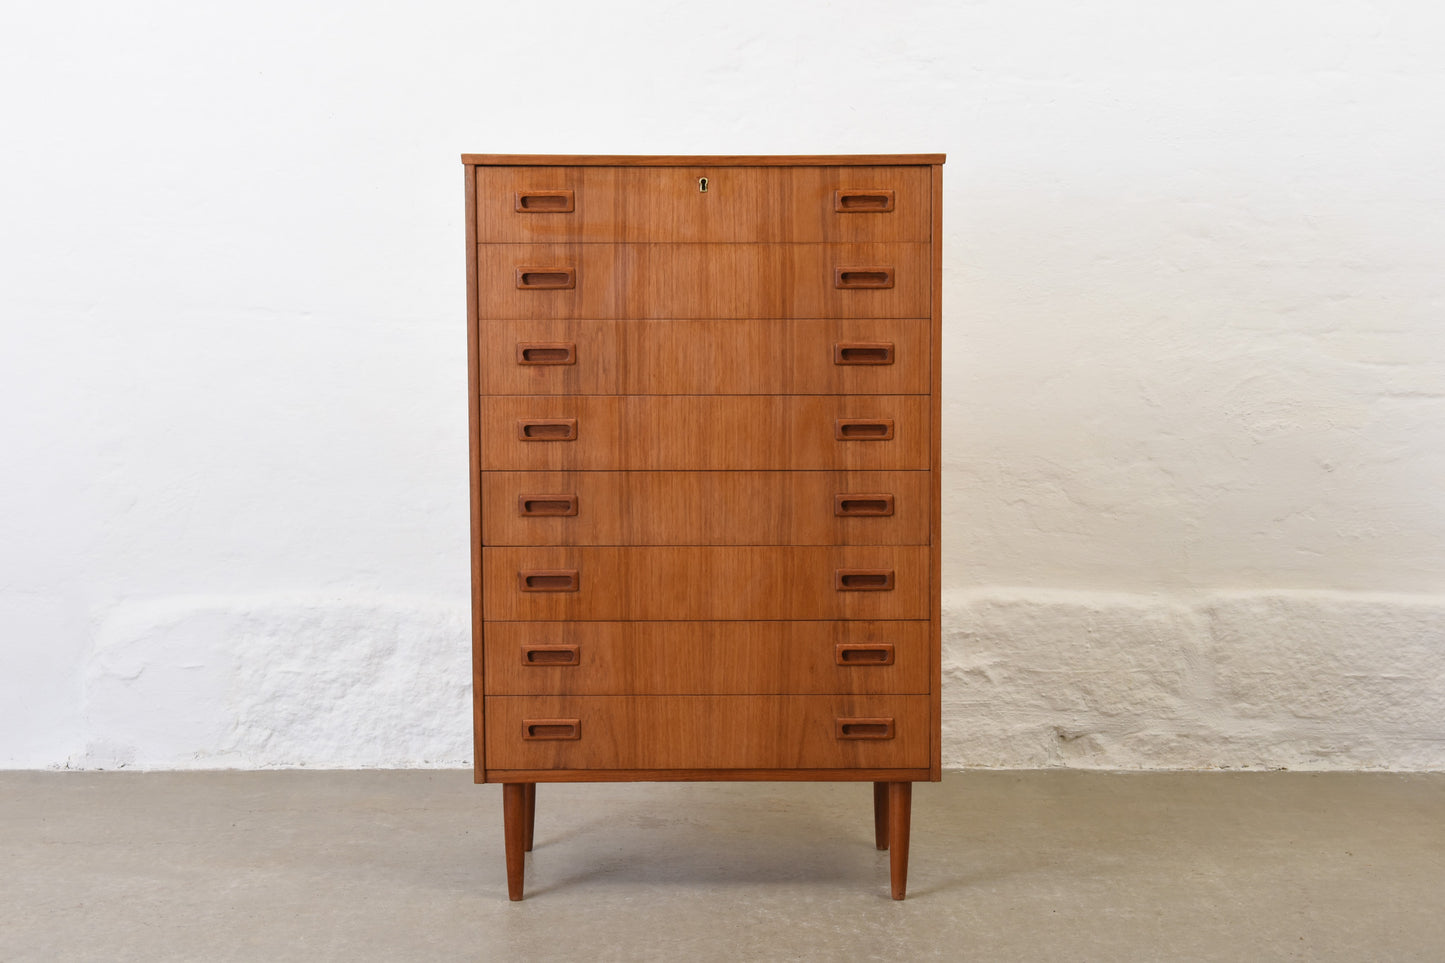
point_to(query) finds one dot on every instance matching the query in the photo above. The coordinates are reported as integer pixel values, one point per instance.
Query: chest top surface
(690, 160)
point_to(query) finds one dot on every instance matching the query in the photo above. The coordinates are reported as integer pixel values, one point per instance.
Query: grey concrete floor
(398, 865)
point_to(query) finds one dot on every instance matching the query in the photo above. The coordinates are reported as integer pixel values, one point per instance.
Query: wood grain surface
(705, 356)
(474, 467)
(849, 774)
(742, 204)
(707, 732)
(704, 280)
(704, 508)
(701, 432)
(707, 658)
(693, 160)
(935, 407)
(705, 582)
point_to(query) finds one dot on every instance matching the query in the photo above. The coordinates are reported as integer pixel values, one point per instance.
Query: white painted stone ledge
(1032, 678)
(1229, 680)
(279, 682)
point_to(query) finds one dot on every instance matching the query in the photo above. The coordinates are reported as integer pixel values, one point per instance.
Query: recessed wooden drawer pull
(863, 429)
(862, 202)
(547, 352)
(863, 352)
(566, 729)
(856, 506)
(547, 429)
(551, 278)
(552, 580)
(859, 277)
(863, 579)
(552, 655)
(544, 202)
(535, 506)
(865, 729)
(864, 653)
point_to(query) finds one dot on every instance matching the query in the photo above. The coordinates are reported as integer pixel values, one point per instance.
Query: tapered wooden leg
(514, 830)
(900, 811)
(880, 814)
(531, 799)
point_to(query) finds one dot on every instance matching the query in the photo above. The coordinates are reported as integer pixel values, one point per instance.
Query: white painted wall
(1194, 353)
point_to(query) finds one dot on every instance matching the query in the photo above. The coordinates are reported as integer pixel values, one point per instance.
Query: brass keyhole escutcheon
(702, 185)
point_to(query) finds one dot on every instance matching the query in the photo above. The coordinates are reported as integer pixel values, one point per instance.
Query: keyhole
(702, 185)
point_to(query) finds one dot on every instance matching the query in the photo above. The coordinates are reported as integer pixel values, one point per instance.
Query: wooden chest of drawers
(705, 474)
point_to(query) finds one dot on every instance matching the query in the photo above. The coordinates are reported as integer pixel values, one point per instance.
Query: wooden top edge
(699, 160)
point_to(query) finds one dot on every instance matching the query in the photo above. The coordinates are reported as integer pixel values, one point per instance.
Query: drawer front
(707, 732)
(704, 433)
(706, 658)
(666, 281)
(705, 508)
(703, 583)
(882, 356)
(741, 204)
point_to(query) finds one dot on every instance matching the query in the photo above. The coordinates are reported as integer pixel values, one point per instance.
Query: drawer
(884, 356)
(704, 280)
(704, 433)
(706, 508)
(702, 583)
(707, 732)
(569, 204)
(705, 658)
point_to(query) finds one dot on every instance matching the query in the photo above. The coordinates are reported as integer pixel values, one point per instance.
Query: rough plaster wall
(1247, 679)
(1194, 357)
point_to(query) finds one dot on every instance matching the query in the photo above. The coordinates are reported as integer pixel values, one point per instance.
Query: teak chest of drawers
(705, 474)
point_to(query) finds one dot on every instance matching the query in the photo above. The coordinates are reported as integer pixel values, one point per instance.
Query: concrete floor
(398, 865)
